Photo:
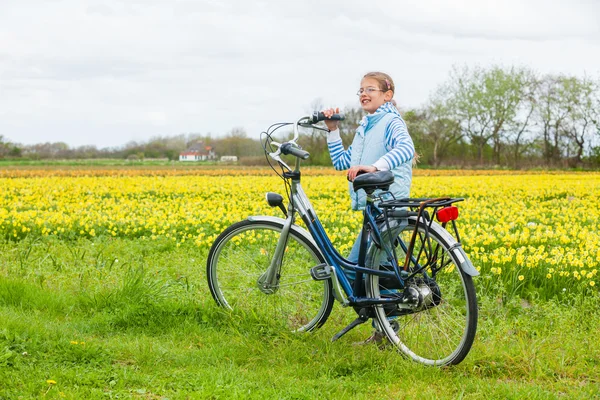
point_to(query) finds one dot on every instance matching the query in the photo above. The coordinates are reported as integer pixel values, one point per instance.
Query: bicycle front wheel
(243, 253)
(441, 330)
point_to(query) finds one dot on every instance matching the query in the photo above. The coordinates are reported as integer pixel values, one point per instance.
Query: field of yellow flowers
(527, 233)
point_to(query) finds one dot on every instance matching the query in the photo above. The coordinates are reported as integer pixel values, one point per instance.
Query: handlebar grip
(319, 116)
(287, 148)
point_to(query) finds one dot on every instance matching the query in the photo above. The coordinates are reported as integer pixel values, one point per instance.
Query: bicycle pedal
(320, 272)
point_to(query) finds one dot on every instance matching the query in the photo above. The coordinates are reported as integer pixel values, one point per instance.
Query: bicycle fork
(268, 282)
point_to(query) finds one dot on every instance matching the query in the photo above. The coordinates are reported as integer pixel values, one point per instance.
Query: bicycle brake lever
(276, 156)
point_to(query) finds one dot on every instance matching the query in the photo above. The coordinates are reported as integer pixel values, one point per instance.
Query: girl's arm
(399, 145)
(339, 157)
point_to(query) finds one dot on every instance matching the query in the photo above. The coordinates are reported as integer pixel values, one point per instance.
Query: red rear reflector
(447, 214)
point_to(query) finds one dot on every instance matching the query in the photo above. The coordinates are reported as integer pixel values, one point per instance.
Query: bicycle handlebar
(291, 147)
(288, 148)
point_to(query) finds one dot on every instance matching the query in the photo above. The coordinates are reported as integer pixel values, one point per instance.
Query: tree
(584, 116)
(434, 128)
(518, 128)
(486, 102)
(237, 143)
(442, 130)
(47, 150)
(15, 151)
(555, 105)
(4, 147)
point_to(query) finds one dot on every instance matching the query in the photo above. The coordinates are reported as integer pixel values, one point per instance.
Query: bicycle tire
(243, 252)
(443, 333)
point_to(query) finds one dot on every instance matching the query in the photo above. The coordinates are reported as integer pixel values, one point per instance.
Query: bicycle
(412, 278)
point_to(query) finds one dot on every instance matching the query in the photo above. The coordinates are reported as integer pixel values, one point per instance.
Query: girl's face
(371, 96)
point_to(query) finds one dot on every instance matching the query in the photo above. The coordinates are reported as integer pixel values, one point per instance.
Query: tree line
(495, 116)
(236, 142)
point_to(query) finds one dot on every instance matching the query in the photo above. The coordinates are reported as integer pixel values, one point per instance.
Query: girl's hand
(328, 112)
(354, 171)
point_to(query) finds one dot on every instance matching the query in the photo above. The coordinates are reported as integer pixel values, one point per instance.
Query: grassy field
(90, 308)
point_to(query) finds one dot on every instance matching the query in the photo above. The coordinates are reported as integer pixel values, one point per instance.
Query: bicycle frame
(345, 292)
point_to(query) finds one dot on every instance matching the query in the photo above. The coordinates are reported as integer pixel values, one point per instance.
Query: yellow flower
(74, 342)
(51, 382)
(592, 283)
(150, 205)
(549, 276)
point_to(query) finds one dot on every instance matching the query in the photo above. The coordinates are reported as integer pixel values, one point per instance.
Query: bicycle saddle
(374, 180)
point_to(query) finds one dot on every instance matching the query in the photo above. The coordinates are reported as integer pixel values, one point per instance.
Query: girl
(381, 142)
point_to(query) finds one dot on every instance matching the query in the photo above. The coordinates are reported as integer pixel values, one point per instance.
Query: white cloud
(106, 72)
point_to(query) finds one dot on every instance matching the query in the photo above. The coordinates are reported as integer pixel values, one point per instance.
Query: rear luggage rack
(416, 207)
(414, 203)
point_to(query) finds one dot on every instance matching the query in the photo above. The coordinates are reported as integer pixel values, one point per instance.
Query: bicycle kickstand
(363, 316)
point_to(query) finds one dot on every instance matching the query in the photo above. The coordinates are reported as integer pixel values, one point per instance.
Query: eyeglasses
(368, 91)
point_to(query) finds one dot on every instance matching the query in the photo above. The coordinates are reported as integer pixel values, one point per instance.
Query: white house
(198, 152)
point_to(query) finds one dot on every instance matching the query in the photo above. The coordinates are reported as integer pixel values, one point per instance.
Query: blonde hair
(384, 81)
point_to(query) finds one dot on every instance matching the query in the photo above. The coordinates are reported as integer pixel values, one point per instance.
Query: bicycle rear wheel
(442, 329)
(242, 254)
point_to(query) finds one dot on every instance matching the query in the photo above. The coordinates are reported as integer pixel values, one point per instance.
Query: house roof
(197, 149)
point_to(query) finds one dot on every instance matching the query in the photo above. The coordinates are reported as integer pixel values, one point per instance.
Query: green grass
(151, 331)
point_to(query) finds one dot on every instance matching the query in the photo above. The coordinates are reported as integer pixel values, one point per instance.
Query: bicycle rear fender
(465, 264)
(295, 228)
(456, 248)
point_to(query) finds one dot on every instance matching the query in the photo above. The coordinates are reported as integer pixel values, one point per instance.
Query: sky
(104, 73)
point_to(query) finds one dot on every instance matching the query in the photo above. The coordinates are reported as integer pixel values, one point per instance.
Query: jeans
(351, 275)
(353, 257)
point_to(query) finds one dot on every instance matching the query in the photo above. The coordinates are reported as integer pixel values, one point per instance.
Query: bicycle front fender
(295, 228)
